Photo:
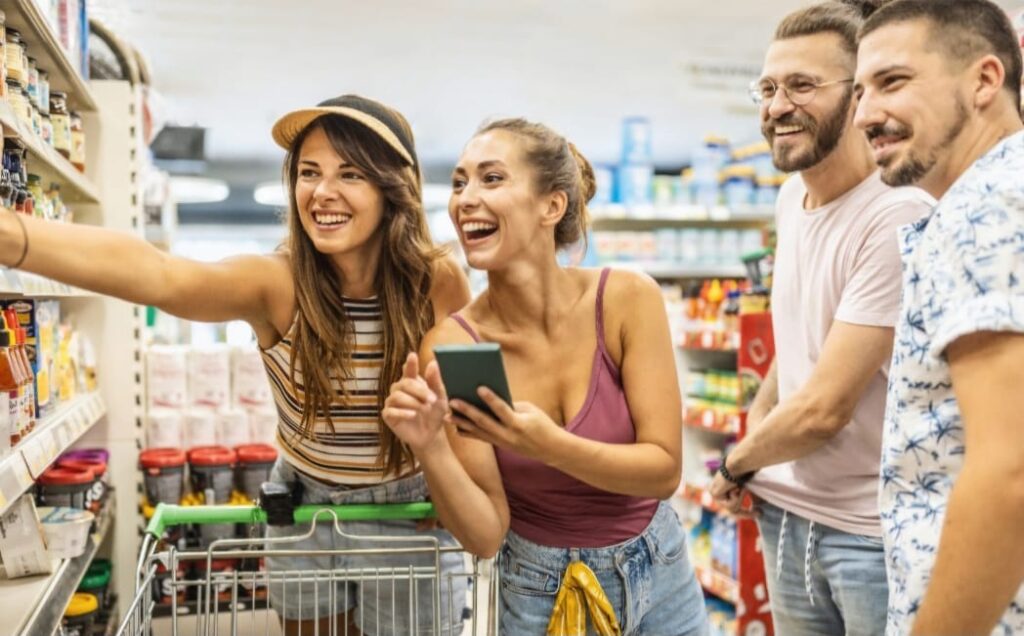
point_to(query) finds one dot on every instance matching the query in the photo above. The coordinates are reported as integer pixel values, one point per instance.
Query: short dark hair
(966, 30)
(844, 18)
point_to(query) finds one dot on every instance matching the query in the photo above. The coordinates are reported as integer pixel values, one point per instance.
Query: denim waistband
(407, 489)
(664, 521)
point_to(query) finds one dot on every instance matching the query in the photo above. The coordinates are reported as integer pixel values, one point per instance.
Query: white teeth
(478, 226)
(785, 130)
(331, 219)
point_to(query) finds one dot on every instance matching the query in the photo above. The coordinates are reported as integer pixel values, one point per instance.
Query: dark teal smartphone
(465, 368)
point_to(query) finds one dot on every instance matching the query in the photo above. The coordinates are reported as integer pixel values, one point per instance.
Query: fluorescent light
(270, 193)
(198, 189)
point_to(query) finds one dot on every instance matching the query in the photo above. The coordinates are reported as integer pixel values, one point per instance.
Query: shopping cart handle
(166, 515)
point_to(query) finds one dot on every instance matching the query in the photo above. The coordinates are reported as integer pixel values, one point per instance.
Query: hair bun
(588, 182)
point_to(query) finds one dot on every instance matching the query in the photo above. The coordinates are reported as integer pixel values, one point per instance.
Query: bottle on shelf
(10, 414)
(28, 390)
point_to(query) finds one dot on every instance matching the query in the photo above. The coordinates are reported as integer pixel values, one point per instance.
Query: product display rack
(107, 194)
(751, 360)
(53, 435)
(25, 16)
(47, 162)
(37, 603)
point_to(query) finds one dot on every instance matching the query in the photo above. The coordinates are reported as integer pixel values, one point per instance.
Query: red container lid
(99, 468)
(256, 453)
(66, 477)
(211, 456)
(162, 458)
(216, 565)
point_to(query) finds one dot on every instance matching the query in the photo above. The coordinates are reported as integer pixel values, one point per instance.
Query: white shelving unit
(53, 435)
(24, 15)
(108, 194)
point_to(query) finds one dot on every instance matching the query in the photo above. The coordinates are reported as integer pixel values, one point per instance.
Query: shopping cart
(198, 596)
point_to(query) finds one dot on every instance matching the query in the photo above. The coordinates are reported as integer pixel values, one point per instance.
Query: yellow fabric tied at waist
(580, 594)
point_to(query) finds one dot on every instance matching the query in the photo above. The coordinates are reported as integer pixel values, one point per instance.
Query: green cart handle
(169, 516)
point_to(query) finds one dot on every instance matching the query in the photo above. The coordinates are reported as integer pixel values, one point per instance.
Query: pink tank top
(554, 509)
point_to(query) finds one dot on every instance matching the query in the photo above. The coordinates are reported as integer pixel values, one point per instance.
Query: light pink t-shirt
(837, 262)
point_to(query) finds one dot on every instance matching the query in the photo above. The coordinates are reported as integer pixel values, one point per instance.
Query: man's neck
(974, 142)
(841, 171)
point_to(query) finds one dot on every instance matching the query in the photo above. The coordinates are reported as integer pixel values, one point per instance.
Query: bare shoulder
(450, 289)
(626, 291)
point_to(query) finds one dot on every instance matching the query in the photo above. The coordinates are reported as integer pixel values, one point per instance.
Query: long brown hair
(323, 339)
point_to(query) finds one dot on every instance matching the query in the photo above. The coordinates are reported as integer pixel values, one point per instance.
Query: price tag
(707, 418)
(35, 458)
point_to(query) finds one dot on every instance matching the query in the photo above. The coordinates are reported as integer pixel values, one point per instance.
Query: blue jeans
(648, 580)
(826, 581)
(303, 587)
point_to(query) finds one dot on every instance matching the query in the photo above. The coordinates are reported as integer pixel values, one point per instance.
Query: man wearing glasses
(811, 453)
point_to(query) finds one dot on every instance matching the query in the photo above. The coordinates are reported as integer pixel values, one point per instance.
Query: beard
(915, 165)
(826, 134)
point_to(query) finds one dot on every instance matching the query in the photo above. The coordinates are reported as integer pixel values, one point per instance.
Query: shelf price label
(36, 458)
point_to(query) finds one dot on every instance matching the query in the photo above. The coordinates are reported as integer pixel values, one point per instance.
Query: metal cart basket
(223, 588)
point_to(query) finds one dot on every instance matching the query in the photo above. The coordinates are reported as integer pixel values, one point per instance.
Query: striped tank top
(348, 455)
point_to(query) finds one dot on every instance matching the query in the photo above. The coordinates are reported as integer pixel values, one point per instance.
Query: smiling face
(801, 136)
(494, 203)
(339, 207)
(913, 104)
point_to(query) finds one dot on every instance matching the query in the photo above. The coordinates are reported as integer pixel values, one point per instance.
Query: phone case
(464, 368)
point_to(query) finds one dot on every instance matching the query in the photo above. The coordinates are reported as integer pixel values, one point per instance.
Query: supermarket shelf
(676, 270)
(45, 161)
(699, 496)
(710, 419)
(36, 604)
(14, 284)
(53, 435)
(718, 584)
(24, 15)
(711, 340)
(620, 217)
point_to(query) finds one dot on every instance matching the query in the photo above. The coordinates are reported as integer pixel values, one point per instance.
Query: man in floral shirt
(939, 85)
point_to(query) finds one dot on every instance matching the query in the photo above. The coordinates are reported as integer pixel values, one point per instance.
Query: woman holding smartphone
(355, 285)
(576, 470)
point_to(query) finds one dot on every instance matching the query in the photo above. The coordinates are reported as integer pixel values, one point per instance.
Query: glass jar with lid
(18, 100)
(77, 142)
(61, 121)
(13, 55)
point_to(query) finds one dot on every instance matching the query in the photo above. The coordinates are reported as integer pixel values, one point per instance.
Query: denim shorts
(382, 603)
(822, 580)
(648, 580)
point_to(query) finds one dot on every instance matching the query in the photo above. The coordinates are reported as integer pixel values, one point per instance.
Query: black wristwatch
(733, 479)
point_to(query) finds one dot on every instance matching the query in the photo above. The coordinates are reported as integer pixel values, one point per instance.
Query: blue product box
(636, 140)
(635, 184)
(605, 178)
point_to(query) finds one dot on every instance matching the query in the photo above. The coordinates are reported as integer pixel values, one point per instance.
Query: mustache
(891, 130)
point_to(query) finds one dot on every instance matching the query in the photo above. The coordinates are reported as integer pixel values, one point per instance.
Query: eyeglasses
(798, 90)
